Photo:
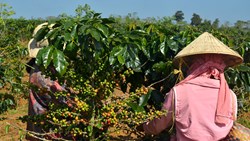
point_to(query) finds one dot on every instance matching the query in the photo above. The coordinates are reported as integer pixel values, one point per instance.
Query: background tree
(215, 24)
(226, 24)
(179, 16)
(5, 12)
(244, 25)
(206, 25)
(196, 20)
(11, 57)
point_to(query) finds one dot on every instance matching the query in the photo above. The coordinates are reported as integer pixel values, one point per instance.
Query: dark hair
(30, 64)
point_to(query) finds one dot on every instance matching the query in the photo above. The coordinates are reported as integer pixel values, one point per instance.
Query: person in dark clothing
(39, 96)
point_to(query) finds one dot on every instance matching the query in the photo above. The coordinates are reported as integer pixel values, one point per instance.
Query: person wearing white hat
(38, 100)
(203, 105)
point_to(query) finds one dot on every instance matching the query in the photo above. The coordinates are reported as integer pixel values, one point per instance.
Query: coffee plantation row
(95, 56)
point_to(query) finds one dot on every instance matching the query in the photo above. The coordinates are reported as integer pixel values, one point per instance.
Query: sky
(225, 10)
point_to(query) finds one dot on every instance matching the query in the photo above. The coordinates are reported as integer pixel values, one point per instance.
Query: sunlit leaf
(103, 29)
(44, 56)
(67, 37)
(95, 34)
(176, 71)
(7, 127)
(116, 51)
(163, 47)
(243, 68)
(143, 100)
(70, 47)
(68, 24)
(173, 45)
(52, 34)
(121, 59)
(74, 31)
(160, 67)
(135, 107)
(59, 61)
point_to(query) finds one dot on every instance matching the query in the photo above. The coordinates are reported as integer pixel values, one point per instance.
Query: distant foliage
(196, 20)
(14, 35)
(179, 16)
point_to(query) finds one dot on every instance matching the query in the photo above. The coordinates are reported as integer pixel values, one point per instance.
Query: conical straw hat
(206, 43)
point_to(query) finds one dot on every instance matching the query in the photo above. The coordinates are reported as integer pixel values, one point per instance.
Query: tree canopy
(196, 20)
(179, 16)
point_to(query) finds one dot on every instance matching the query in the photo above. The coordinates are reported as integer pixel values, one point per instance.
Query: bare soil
(16, 130)
(12, 129)
(10, 126)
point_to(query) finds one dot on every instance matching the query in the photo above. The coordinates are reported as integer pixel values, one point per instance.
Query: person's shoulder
(233, 94)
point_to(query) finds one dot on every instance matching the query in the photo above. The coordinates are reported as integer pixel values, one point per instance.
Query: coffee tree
(94, 56)
(11, 55)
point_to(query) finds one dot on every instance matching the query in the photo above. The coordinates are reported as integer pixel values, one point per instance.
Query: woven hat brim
(38, 28)
(34, 47)
(208, 44)
(229, 60)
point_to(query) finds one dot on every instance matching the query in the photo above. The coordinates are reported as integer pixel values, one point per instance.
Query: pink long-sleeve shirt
(194, 108)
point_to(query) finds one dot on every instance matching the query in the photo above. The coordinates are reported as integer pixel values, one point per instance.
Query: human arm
(46, 86)
(157, 125)
(39, 80)
(235, 104)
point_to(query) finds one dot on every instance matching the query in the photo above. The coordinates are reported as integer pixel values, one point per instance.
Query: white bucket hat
(33, 45)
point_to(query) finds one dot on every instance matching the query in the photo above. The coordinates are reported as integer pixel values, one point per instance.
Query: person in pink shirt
(203, 105)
